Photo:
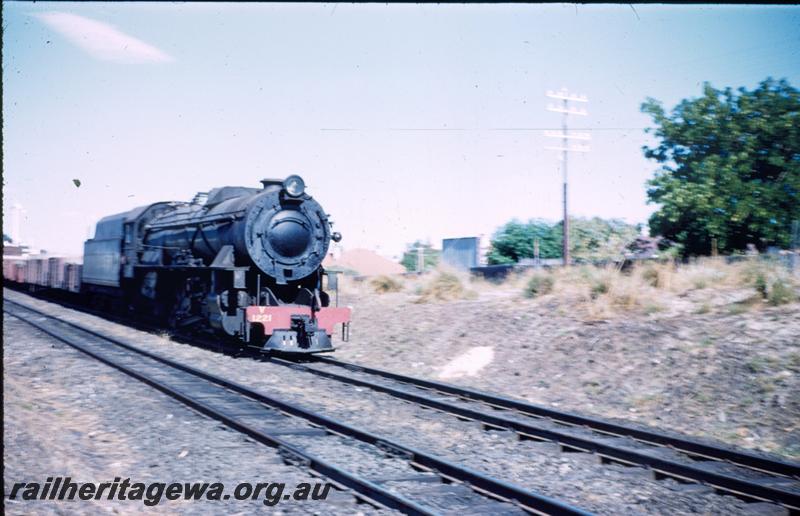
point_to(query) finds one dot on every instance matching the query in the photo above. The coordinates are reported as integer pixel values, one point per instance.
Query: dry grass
(539, 284)
(386, 284)
(771, 282)
(601, 293)
(358, 287)
(781, 293)
(704, 286)
(445, 285)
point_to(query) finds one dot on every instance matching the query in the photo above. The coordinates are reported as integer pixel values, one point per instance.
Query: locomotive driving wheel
(181, 310)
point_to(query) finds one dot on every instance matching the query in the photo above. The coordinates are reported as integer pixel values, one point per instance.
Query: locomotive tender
(246, 262)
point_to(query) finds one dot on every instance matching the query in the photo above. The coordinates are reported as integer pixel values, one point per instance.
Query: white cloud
(101, 40)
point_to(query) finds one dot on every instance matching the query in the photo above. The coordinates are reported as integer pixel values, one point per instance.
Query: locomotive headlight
(294, 185)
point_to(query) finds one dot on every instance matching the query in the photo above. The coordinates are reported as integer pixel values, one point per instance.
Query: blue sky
(407, 121)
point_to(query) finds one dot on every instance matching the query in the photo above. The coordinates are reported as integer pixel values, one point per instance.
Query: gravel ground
(725, 374)
(574, 477)
(68, 415)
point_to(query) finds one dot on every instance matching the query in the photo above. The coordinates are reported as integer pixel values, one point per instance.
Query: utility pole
(565, 109)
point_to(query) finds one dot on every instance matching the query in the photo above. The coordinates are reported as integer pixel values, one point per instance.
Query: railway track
(749, 476)
(389, 474)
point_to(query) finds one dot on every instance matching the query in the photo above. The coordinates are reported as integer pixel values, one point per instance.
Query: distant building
(362, 262)
(461, 253)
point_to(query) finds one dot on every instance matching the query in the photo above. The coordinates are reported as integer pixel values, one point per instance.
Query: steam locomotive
(244, 262)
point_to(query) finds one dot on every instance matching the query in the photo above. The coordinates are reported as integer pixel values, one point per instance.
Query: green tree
(514, 241)
(600, 239)
(430, 256)
(590, 239)
(730, 168)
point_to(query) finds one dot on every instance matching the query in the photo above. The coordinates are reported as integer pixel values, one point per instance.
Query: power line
(576, 129)
(468, 129)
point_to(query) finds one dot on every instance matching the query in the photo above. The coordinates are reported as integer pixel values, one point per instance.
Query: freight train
(242, 262)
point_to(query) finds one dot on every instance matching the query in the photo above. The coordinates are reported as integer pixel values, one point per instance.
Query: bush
(445, 286)
(386, 284)
(650, 276)
(539, 285)
(653, 308)
(760, 284)
(430, 256)
(627, 300)
(780, 293)
(593, 238)
(600, 287)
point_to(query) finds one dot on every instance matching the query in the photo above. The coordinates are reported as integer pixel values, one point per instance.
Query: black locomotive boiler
(246, 262)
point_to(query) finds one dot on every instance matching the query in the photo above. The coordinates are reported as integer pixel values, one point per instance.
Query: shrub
(650, 276)
(445, 286)
(760, 284)
(780, 293)
(627, 300)
(539, 285)
(386, 284)
(599, 287)
(652, 308)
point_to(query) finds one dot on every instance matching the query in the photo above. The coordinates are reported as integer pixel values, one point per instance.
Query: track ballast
(421, 482)
(749, 476)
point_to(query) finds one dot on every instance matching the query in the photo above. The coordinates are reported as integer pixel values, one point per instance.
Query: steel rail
(365, 488)
(481, 483)
(689, 446)
(666, 467)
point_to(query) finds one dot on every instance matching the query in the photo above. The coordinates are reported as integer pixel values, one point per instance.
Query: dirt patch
(469, 363)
